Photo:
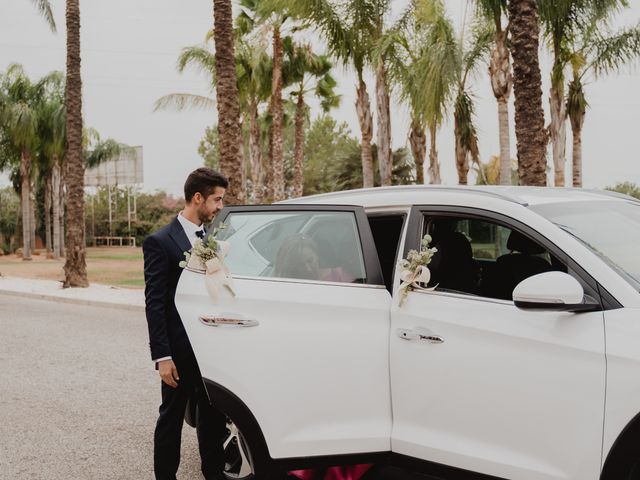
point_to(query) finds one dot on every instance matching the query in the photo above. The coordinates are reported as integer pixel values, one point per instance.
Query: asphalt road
(78, 394)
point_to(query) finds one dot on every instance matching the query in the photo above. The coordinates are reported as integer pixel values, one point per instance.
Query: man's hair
(203, 180)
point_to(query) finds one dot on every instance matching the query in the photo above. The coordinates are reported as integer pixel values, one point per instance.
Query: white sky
(129, 52)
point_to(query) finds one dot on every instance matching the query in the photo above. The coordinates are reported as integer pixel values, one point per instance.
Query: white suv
(316, 363)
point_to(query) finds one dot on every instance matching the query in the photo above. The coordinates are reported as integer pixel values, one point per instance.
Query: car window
(309, 245)
(482, 257)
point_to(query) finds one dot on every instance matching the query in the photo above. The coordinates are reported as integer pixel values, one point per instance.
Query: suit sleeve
(156, 277)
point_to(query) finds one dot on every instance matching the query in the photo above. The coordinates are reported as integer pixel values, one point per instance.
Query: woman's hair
(297, 257)
(203, 180)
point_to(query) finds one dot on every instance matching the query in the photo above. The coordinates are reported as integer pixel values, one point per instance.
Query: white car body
(324, 370)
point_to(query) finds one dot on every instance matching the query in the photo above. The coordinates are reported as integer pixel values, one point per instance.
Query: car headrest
(519, 243)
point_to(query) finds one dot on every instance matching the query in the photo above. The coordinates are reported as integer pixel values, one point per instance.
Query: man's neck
(191, 215)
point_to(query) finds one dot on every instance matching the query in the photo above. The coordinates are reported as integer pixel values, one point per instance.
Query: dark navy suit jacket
(163, 251)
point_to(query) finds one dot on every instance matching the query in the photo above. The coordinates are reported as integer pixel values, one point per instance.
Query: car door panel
(510, 393)
(313, 367)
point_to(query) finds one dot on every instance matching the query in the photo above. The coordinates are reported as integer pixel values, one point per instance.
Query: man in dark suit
(170, 348)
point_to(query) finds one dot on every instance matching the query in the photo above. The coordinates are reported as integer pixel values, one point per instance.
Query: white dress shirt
(190, 229)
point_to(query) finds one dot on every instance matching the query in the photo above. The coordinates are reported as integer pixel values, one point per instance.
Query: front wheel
(238, 464)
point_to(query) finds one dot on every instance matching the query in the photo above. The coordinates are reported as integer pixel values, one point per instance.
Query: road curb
(77, 301)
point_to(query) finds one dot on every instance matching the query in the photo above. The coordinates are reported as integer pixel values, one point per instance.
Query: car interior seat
(452, 266)
(523, 261)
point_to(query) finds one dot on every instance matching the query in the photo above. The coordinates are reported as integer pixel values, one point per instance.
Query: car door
(478, 384)
(305, 345)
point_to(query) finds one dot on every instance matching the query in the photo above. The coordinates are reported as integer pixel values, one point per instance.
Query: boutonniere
(414, 271)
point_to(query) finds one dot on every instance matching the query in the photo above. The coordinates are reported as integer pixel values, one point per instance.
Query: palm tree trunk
(577, 122)
(75, 267)
(25, 202)
(229, 130)
(434, 165)
(363, 107)
(255, 154)
(384, 125)
(47, 212)
(418, 142)
(462, 157)
(32, 216)
(531, 137)
(298, 165)
(501, 81)
(56, 193)
(558, 132)
(277, 159)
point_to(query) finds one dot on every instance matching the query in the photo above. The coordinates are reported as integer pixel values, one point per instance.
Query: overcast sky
(129, 52)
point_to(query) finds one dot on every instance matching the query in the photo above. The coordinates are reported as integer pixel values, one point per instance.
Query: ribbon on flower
(410, 279)
(217, 276)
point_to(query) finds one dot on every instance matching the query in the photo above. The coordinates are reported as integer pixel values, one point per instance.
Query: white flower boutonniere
(207, 255)
(414, 270)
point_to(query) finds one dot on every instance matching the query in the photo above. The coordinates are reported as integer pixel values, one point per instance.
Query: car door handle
(419, 334)
(222, 321)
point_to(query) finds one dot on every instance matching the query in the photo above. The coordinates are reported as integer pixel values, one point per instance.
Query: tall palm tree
(349, 29)
(52, 133)
(597, 52)
(229, 130)
(501, 80)
(19, 120)
(253, 67)
(44, 7)
(438, 67)
(379, 62)
(75, 267)
(303, 66)
(531, 137)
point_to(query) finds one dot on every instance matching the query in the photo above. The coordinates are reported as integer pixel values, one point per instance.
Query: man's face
(209, 207)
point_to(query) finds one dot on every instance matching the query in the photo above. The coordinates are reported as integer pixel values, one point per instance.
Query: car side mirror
(555, 291)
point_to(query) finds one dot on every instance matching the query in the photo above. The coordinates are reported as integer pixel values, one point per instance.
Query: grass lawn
(118, 266)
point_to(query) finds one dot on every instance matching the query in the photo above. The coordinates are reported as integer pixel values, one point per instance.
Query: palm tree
(501, 80)
(379, 62)
(531, 138)
(44, 8)
(19, 120)
(253, 67)
(438, 72)
(75, 267)
(596, 52)
(349, 29)
(228, 101)
(52, 133)
(471, 51)
(303, 65)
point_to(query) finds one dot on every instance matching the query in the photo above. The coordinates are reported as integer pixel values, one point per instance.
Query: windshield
(611, 229)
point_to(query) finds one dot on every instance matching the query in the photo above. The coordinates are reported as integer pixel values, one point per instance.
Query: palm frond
(184, 101)
(199, 58)
(44, 7)
(611, 53)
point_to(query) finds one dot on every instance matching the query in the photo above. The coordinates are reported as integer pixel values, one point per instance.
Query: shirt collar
(189, 227)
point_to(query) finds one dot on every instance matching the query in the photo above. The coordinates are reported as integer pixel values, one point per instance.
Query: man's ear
(197, 198)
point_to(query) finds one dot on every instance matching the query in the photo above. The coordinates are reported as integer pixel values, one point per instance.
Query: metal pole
(129, 209)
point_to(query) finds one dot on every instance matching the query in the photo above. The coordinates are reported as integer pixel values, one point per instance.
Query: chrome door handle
(220, 321)
(421, 334)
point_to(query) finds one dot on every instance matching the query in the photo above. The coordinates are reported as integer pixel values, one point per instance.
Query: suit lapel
(177, 235)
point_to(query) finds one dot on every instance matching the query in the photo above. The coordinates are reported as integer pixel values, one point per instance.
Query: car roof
(417, 194)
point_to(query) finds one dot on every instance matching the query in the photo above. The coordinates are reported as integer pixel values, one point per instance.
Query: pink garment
(336, 274)
(348, 472)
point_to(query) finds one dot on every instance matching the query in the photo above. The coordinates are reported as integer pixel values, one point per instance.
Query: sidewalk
(95, 294)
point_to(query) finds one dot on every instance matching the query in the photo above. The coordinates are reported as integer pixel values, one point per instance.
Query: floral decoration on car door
(207, 255)
(414, 270)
